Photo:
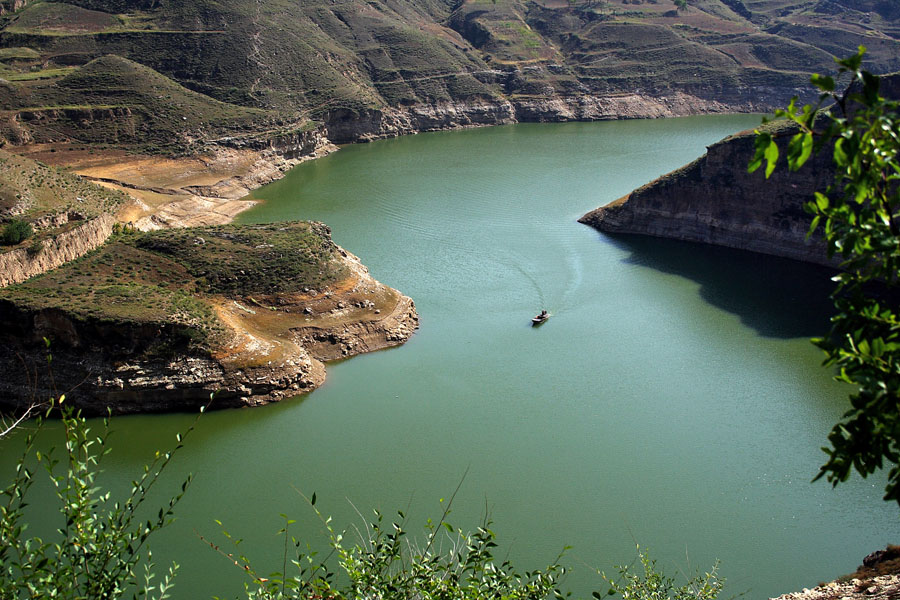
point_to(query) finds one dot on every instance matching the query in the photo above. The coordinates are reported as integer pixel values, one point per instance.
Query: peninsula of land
(715, 200)
(176, 319)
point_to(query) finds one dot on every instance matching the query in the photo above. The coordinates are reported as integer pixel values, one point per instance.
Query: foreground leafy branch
(860, 219)
(653, 584)
(386, 564)
(100, 550)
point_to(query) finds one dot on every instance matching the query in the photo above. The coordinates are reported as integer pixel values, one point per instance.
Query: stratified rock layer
(20, 264)
(715, 200)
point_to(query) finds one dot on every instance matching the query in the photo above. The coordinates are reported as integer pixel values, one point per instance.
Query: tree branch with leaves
(859, 215)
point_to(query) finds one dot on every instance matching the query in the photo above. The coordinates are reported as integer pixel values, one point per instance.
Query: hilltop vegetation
(208, 68)
(176, 275)
(38, 202)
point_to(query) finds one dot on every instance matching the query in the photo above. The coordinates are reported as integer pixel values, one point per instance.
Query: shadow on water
(776, 297)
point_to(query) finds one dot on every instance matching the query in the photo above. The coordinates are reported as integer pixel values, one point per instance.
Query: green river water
(673, 399)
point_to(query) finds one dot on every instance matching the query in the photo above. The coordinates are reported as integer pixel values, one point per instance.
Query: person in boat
(543, 314)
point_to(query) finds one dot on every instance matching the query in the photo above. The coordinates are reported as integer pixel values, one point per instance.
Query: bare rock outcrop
(346, 126)
(878, 578)
(620, 106)
(884, 587)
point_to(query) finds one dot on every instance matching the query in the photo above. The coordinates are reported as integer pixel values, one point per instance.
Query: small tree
(860, 217)
(16, 231)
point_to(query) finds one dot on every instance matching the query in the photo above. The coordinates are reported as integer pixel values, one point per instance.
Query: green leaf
(760, 143)
(771, 155)
(840, 155)
(813, 226)
(806, 150)
(824, 83)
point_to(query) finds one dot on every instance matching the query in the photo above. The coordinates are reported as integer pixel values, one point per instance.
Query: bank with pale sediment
(219, 201)
(212, 187)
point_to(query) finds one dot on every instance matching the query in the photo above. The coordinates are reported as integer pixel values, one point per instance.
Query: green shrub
(653, 584)
(102, 543)
(15, 231)
(385, 564)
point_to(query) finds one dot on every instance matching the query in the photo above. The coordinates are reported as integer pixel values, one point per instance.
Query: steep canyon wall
(714, 200)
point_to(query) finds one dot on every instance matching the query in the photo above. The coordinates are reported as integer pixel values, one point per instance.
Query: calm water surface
(673, 400)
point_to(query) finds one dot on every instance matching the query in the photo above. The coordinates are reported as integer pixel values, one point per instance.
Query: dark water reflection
(776, 297)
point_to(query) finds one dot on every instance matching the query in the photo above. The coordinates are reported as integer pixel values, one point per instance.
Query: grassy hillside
(111, 100)
(208, 66)
(49, 199)
(30, 190)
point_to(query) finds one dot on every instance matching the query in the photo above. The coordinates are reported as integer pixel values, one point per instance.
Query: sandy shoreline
(210, 189)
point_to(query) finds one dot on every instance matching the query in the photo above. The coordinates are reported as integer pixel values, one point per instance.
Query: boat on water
(543, 316)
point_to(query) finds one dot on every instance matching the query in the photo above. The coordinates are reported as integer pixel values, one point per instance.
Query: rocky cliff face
(103, 365)
(715, 201)
(346, 126)
(22, 263)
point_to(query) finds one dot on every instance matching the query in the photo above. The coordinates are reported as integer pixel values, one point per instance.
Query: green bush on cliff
(860, 217)
(15, 232)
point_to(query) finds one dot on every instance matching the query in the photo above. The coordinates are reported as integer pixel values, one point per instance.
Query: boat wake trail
(576, 267)
(534, 283)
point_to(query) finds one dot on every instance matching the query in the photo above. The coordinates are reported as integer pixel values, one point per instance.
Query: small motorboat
(540, 318)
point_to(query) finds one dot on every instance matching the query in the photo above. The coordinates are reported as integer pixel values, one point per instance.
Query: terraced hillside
(172, 75)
